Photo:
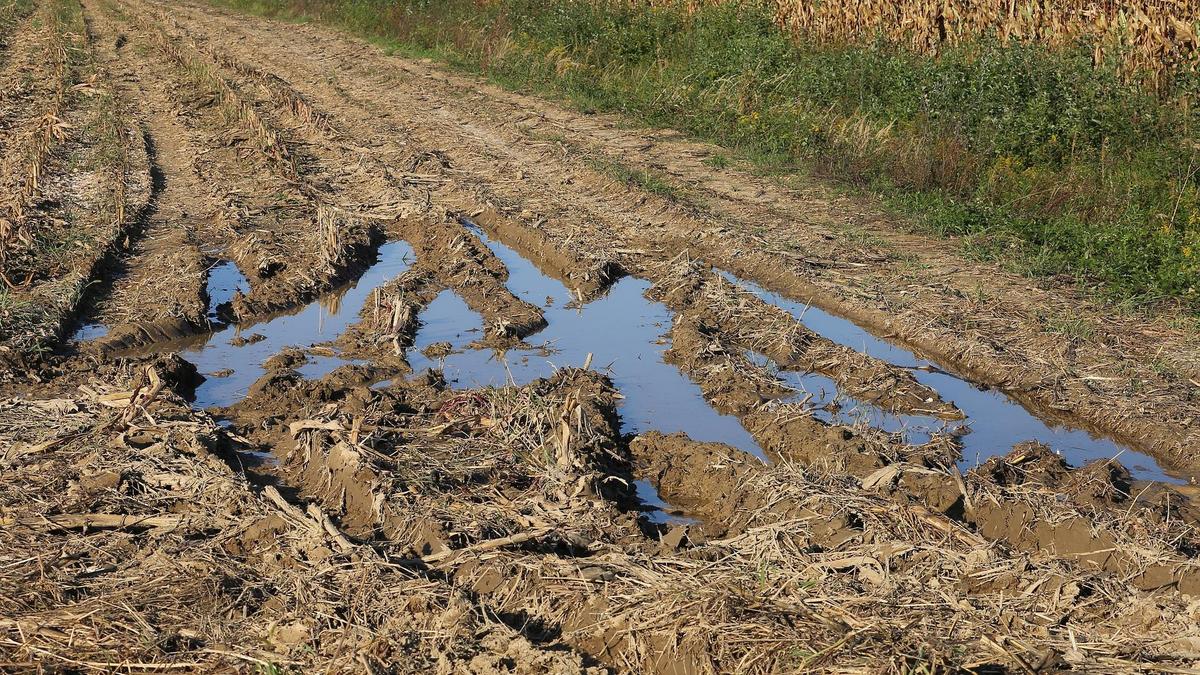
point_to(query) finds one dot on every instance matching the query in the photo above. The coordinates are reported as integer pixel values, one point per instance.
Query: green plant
(645, 180)
(717, 161)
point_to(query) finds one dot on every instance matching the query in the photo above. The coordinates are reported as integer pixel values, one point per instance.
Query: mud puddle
(829, 404)
(231, 358)
(994, 422)
(225, 282)
(447, 321)
(87, 332)
(657, 511)
(622, 331)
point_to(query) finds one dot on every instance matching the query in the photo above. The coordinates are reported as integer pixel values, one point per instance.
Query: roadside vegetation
(1033, 155)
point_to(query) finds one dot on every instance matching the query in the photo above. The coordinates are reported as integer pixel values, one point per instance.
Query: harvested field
(318, 359)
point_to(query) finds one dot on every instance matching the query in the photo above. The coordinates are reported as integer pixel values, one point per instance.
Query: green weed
(645, 180)
(1071, 326)
(717, 161)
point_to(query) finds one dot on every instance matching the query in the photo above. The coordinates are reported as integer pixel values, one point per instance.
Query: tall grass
(1036, 155)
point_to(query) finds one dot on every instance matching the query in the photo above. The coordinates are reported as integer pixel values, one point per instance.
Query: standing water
(242, 349)
(996, 422)
(225, 281)
(623, 332)
(829, 404)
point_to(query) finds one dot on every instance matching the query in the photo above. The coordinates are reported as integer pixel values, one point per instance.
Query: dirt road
(321, 358)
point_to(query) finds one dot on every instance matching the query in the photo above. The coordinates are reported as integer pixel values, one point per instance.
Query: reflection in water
(242, 349)
(622, 331)
(89, 331)
(821, 395)
(225, 281)
(996, 422)
(657, 510)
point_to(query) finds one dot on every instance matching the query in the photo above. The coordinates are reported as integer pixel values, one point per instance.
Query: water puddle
(822, 396)
(447, 320)
(622, 331)
(658, 511)
(623, 334)
(88, 332)
(995, 423)
(225, 281)
(231, 357)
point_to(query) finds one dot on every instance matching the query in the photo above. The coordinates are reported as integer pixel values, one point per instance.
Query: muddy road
(317, 358)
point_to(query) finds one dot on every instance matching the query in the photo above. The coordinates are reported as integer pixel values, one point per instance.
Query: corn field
(1151, 39)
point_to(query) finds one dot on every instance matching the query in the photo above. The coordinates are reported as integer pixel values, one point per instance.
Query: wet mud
(365, 375)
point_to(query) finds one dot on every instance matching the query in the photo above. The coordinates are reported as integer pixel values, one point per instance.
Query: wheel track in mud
(374, 495)
(405, 192)
(1048, 372)
(157, 290)
(236, 217)
(82, 178)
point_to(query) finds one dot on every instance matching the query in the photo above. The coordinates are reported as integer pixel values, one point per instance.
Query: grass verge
(1036, 157)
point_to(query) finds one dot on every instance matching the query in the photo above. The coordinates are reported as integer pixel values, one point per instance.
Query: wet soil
(377, 378)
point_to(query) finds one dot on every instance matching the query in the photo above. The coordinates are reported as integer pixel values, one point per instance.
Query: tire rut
(157, 291)
(911, 291)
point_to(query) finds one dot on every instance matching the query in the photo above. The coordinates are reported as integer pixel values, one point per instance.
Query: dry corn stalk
(1152, 38)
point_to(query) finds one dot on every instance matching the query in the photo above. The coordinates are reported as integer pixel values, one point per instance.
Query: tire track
(800, 242)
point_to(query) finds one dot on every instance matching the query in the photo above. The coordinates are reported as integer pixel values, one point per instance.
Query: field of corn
(1154, 40)
(317, 355)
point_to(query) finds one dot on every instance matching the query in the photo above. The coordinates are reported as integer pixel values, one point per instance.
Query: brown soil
(326, 524)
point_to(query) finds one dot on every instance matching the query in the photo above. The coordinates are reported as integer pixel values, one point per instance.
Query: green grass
(1033, 157)
(1070, 326)
(717, 161)
(650, 182)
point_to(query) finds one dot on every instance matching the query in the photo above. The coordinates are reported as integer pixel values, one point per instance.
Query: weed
(10, 303)
(1072, 326)
(1163, 368)
(645, 180)
(980, 295)
(717, 161)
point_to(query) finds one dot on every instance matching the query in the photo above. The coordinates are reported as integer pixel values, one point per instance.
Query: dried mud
(361, 366)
